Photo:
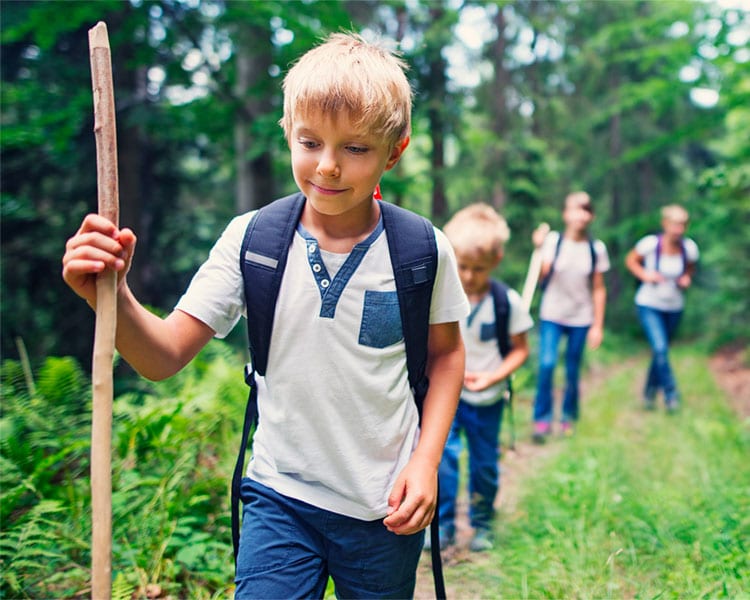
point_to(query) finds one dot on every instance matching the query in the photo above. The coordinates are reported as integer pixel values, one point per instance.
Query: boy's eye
(309, 144)
(357, 149)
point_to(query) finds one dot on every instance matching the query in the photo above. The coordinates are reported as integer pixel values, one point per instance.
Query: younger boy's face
(336, 165)
(475, 271)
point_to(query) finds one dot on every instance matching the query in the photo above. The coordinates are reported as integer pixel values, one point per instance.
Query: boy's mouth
(324, 190)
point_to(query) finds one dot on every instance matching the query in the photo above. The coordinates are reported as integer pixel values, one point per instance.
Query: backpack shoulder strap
(545, 281)
(658, 252)
(262, 262)
(592, 249)
(502, 315)
(413, 250)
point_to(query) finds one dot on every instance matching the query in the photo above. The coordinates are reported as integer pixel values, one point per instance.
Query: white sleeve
(691, 251)
(602, 256)
(449, 302)
(216, 295)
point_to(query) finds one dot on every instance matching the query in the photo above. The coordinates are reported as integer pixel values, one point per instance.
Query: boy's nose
(328, 166)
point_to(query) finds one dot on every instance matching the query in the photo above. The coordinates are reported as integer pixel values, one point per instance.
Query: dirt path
(730, 367)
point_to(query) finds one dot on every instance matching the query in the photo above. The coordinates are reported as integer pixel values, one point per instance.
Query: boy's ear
(398, 150)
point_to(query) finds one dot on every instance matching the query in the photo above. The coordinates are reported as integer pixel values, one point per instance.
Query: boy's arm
(634, 264)
(481, 380)
(155, 347)
(599, 295)
(413, 499)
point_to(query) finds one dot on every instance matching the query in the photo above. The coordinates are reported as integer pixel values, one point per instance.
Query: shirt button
(311, 248)
(316, 267)
(324, 283)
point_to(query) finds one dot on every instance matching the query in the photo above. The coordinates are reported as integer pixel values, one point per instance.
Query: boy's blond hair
(478, 230)
(347, 73)
(674, 213)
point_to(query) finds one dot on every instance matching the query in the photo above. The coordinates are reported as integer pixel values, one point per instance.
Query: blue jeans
(288, 548)
(659, 327)
(481, 424)
(549, 339)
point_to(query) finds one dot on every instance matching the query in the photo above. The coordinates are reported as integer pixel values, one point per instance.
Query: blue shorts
(289, 548)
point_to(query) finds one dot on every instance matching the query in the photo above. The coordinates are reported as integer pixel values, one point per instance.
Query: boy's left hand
(413, 499)
(477, 381)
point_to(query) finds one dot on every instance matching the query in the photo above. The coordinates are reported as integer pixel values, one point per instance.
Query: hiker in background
(494, 334)
(573, 303)
(343, 475)
(665, 264)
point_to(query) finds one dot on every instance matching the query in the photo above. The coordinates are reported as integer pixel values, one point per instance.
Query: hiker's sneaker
(566, 428)
(541, 431)
(672, 406)
(482, 541)
(447, 538)
(649, 399)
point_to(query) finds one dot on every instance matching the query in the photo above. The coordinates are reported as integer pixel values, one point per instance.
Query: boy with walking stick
(573, 303)
(343, 476)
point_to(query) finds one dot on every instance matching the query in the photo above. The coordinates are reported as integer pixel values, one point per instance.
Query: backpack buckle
(249, 375)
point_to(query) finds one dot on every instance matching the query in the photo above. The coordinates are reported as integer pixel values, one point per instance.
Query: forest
(641, 103)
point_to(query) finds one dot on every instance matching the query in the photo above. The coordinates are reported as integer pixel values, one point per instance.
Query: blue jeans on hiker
(481, 426)
(659, 327)
(549, 339)
(288, 548)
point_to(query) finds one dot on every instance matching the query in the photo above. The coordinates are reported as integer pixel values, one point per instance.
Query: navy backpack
(413, 251)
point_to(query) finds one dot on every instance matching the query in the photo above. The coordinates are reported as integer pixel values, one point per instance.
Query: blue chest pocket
(381, 320)
(487, 332)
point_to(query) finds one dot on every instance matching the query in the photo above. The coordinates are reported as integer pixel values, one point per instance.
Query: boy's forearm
(446, 372)
(600, 303)
(156, 348)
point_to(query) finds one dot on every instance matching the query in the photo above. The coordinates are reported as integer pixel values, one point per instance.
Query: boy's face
(336, 165)
(474, 270)
(674, 228)
(577, 217)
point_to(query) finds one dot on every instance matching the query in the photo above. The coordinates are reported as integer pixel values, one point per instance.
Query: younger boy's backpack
(499, 293)
(545, 280)
(413, 252)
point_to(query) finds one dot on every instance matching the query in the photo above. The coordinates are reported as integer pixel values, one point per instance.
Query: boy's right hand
(538, 235)
(97, 245)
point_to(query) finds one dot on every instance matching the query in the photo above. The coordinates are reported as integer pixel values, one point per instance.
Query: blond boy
(343, 478)
(478, 235)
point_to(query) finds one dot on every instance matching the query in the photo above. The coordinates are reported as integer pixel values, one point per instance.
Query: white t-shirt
(480, 340)
(667, 295)
(337, 419)
(567, 299)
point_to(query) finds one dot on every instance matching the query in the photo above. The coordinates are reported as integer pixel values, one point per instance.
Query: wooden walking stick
(106, 319)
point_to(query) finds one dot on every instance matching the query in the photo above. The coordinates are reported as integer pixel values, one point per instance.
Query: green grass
(635, 505)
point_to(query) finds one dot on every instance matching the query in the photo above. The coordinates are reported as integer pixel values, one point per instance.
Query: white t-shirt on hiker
(667, 295)
(567, 299)
(480, 340)
(337, 419)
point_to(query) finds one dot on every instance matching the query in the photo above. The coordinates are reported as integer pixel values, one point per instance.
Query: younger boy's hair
(348, 74)
(478, 230)
(674, 213)
(579, 200)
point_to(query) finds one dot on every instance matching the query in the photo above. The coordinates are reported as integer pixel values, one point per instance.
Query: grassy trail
(636, 505)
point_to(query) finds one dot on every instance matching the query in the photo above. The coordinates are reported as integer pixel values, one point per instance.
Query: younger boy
(572, 304)
(478, 235)
(343, 476)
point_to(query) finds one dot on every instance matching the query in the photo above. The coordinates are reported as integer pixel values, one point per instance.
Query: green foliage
(173, 451)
